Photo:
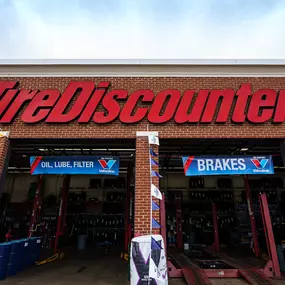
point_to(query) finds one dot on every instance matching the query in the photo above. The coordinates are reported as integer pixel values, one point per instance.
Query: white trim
(122, 62)
(146, 134)
(184, 69)
(139, 75)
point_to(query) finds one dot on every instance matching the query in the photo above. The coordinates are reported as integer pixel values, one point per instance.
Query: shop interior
(189, 202)
(97, 223)
(101, 207)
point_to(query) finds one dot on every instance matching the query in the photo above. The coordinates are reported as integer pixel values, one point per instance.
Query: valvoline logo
(107, 164)
(260, 163)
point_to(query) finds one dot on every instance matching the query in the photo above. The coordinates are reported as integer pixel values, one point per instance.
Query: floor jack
(57, 256)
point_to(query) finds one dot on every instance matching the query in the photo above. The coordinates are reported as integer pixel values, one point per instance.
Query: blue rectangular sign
(227, 165)
(74, 165)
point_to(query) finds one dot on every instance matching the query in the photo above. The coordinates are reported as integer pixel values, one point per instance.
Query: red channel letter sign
(84, 101)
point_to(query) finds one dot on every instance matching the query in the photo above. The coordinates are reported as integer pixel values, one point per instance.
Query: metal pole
(127, 212)
(216, 228)
(270, 236)
(263, 222)
(178, 203)
(62, 211)
(163, 220)
(150, 172)
(251, 216)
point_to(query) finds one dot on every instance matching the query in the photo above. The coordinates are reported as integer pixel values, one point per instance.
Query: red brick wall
(4, 143)
(143, 188)
(116, 129)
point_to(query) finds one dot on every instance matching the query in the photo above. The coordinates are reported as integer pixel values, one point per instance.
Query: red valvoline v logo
(107, 164)
(260, 163)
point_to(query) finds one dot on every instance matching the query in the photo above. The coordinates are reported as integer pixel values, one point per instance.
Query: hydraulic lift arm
(62, 211)
(37, 204)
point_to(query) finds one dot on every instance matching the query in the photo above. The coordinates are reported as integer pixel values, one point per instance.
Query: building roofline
(141, 68)
(134, 62)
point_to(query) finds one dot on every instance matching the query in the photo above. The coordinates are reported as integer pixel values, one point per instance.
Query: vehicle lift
(179, 265)
(36, 213)
(37, 206)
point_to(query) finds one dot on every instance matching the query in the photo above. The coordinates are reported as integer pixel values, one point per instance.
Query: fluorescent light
(121, 149)
(13, 167)
(244, 149)
(88, 149)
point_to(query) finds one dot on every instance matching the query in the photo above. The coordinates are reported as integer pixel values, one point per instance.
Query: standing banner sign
(227, 165)
(74, 165)
(148, 262)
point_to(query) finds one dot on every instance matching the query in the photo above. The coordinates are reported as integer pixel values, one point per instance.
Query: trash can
(15, 263)
(82, 240)
(5, 249)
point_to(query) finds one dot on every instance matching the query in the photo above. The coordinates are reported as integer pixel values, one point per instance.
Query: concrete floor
(89, 268)
(79, 269)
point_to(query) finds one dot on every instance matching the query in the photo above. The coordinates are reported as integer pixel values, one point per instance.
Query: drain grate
(212, 264)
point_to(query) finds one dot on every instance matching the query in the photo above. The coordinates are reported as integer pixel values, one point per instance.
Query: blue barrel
(13, 268)
(81, 244)
(16, 257)
(32, 251)
(38, 247)
(3, 273)
(26, 261)
(5, 249)
(35, 248)
(16, 250)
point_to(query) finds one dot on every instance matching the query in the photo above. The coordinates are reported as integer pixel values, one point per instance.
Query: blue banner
(227, 165)
(74, 165)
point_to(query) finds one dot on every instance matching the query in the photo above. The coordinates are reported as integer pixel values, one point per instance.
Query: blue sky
(164, 29)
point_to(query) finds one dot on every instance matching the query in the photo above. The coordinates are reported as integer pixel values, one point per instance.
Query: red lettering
(182, 114)
(279, 116)
(6, 95)
(127, 115)
(97, 96)
(81, 100)
(111, 105)
(227, 97)
(261, 106)
(154, 115)
(24, 96)
(242, 98)
(4, 85)
(58, 115)
(40, 106)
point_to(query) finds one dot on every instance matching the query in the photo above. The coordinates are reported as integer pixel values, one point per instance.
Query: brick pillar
(4, 148)
(143, 186)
